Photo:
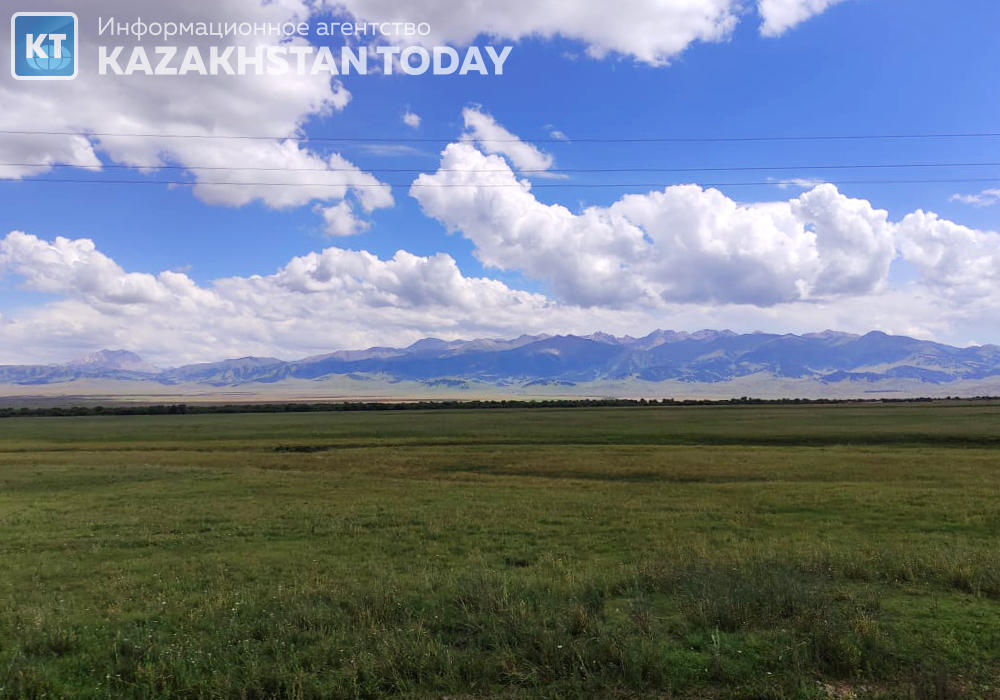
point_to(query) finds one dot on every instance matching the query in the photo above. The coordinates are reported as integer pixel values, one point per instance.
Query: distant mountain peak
(601, 337)
(830, 334)
(114, 360)
(709, 334)
(428, 344)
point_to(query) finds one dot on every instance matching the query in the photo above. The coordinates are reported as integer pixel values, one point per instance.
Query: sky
(675, 164)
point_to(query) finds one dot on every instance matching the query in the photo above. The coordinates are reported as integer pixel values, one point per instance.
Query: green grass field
(749, 551)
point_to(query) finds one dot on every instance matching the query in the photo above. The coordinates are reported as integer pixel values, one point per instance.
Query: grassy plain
(746, 551)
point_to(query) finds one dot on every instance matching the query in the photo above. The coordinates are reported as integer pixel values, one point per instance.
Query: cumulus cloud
(651, 31)
(681, 244)
(76, 266)
(283, 175)
(688, 252)
(240, 106)
(325, 300)
(956, 260)
(201, 107)
(336, 298)
(687, 258)
(411, 119)
(778, 16)
(483, 129)
(341, 221)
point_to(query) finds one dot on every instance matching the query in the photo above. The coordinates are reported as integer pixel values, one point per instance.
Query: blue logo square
(43, 46)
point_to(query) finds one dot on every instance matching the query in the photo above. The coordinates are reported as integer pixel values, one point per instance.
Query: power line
(739, 168)
(186, 183)
(466, 139)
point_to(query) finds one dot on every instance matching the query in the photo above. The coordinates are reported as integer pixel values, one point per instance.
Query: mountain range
(703, 357)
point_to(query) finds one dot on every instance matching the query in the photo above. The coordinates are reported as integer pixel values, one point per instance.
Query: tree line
(308, 407)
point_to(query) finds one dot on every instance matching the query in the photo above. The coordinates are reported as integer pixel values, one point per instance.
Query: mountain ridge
(704, 356)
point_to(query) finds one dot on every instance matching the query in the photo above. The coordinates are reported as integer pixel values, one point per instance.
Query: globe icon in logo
(44, 45)
(51, 63)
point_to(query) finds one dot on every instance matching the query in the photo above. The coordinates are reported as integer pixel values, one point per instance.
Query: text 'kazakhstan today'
(297, 59)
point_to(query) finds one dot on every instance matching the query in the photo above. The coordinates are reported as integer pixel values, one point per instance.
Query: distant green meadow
(711, 551)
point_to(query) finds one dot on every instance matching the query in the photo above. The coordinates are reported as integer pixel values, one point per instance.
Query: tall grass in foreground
(692, 626)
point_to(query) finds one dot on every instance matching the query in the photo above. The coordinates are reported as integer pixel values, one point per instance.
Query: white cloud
(240, 106)
(411, 119)
(493, 138)
(986, 198)
(341, 221)
(803, 183)
(778, 16)
(199, 106)
(77, 265)
(681, 257)
(309, 177)
(682, 244)
(955, 260)
(651, 31)
(336, 299)
(324, 300)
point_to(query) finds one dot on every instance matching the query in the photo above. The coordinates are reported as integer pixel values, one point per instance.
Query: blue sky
(858, 67)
